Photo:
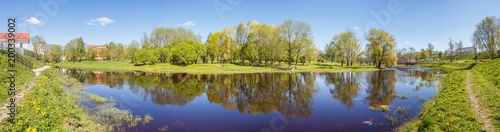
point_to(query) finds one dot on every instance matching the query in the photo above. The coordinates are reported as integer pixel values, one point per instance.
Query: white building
(22, 40)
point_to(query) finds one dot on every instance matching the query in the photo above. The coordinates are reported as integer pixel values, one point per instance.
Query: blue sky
(415, 22)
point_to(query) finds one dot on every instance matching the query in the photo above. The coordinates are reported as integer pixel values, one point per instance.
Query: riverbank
(447, 65)
(126, 66)
(55, 103)
(468, 100)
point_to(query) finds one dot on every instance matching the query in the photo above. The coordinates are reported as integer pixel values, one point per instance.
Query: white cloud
(103, 21)
(33, 20)
(356, 27)
(189, 23)
(407, 42)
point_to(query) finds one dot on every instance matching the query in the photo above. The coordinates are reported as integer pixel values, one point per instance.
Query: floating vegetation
(400, 96)
(420, 99)
(369, 123)
(101, 100)
(164, 128)
(383, 108)
(391, 120)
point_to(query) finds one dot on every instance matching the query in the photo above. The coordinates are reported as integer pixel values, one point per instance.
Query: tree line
(260, 44)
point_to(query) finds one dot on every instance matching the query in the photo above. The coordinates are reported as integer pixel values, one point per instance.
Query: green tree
(38, 44)
(131, 49)
(431, 49)
(487, 35)
(142, 56)
(184, 52)
(291, 32)
(91, 53)
(451, 45)
(55, 53)
(69, 52)
(214, 42)
(118, 51)
(381, 45)
(80, 48)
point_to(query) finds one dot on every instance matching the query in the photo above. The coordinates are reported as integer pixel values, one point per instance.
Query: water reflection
(293, 95)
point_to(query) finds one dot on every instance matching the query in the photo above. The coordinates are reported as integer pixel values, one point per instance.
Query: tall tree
(131, 49)
(431, 48)
(91, 53)
(118, 51)
(214, 42)
(382, 44)
(241, 39)
(38, 45)
(450, 44)
(487, 35)
(293, 33)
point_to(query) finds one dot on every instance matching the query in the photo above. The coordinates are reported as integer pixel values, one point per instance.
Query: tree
(118, 51)
(38, 45)
(451, 50)
(228, 46)
(382, 46)
(142, 56)
(459, 47)
(131, 49)
(214, 42)
(241, 39)
(425, 54)
(346, 47)
(55, 53)
(293, 33)
(91, 53)
(431, 49)
(105, 53)
(412, 51)
(487, 35)
(251, 48)
(440, 55)
(184, 52)
(80, 48)
(69, 52)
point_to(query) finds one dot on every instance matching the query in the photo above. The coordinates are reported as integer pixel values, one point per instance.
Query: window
(21, 45)
(4, 36)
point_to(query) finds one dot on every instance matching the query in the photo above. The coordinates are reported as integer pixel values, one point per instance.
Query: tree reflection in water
(290, 94)
(346, 87)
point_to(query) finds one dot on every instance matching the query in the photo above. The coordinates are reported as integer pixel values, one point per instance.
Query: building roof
(18, 36)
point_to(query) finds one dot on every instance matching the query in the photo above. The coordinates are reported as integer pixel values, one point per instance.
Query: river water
(267, 102)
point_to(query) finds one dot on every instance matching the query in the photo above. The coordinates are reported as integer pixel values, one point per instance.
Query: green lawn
(125, 65)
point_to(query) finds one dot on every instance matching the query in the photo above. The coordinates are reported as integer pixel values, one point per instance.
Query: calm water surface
(265, 102)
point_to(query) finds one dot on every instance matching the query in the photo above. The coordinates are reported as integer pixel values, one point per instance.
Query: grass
(449, 110)
(23, 76)
(48, 107)
(447, 65)
(486, 82)
(125, 65)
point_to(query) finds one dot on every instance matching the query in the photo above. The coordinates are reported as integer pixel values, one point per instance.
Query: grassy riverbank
(449, 110)
(49, 107)
(54, 103)
(125, 65)
(447, 65)
(22, 77)
(455, 108)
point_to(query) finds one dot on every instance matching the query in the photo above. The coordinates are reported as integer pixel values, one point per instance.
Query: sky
(414, 23)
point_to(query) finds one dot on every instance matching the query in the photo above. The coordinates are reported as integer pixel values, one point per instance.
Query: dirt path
(19, 95)
(474, 102)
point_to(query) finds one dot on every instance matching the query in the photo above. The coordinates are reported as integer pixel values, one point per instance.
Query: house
(98, 49)
(22, 41)
(466, 50)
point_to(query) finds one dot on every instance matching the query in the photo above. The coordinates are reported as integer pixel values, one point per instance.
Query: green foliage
(142, 56)
(380, 48)
(91, 53)
(23, 76)
(184, 52)
(450, 110)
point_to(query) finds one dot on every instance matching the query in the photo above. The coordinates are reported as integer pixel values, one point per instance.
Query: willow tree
(346, 47)
(487, 35)
(381, 47)
(214, 42)
(292, 33)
